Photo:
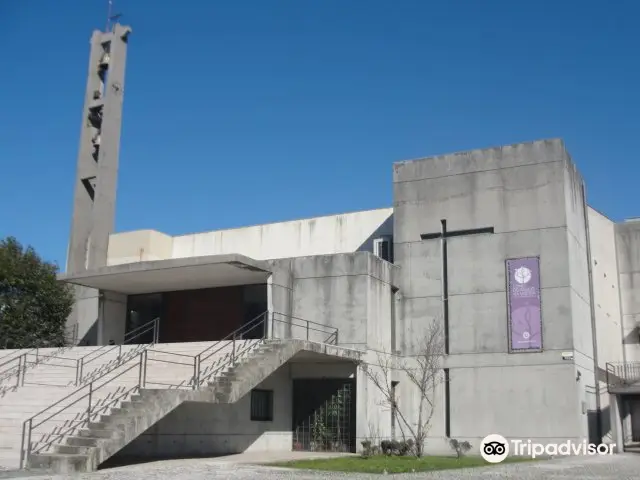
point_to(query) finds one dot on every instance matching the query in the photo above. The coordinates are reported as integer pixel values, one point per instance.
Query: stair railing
(92, 410)
(152, 326)
(622, 374)
(304, 329)
(87, 391)
(195, 361)
(266, 320)
(18, 365)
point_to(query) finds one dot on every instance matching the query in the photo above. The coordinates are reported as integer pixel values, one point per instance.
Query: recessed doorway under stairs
(324, 415)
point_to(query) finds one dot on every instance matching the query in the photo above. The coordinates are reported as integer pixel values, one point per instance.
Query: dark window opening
(447, 404)
(394, 408)
(262, 405)
(383, 248)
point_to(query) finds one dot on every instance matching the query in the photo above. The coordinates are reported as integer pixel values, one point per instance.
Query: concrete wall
(581, 313)
(344, 233)
(199, 429)
(113, 318)
(628, 249)
(521, 191)
(348, 232)
(351, 292)
(195, 429)
(85, 314)
(139, 246)
(606, 298)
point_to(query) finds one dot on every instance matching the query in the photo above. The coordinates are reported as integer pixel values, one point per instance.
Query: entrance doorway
(142, 309)
(324, 415)
(198, 315)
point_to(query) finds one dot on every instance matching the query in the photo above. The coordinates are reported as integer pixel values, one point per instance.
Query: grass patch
(390, 464)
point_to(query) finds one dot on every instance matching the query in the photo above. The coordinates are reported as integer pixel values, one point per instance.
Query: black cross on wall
(443, 234)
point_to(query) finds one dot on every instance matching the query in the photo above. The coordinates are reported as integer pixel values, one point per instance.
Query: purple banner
(523, 303)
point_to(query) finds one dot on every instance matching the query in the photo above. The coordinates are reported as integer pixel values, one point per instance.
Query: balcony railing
(622, 374)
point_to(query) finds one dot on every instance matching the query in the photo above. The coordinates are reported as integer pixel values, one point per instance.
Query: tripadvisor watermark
(495, 448)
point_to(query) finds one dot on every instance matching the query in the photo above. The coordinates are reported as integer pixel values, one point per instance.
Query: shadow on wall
(91, 337)
(605, 422)
(385, 228)
(633, 337)
(181, 446)
(119, 460)
(202, 430)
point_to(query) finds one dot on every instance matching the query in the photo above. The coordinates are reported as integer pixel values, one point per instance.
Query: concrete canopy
(174, 274)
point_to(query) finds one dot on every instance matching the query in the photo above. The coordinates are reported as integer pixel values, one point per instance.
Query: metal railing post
(27, 449)
(24, 370)
(140, 370)
(273, 320)
(18, 373)
(119, 352)
(233, 348)
(22, 448)
(37, 356)
(89, 406)
(156, 330)
(196, 372)
(307, 330)
(144, 374)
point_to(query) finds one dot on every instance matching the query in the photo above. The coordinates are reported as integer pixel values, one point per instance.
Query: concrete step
(60, 463)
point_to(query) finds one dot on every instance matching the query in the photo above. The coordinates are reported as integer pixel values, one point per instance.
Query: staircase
(91, 424)
(108, 433)
(68, 366)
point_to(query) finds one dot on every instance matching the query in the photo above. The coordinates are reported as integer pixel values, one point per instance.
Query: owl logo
(522, 275)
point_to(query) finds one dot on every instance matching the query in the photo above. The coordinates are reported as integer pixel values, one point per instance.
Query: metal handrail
(622, 373)
(23, 362)
(332, 331)
(152, 325)
(28, 425)
(263, 319)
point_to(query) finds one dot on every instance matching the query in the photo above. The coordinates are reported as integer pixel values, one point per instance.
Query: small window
(383, 248)
(394, 407)
(262, 405)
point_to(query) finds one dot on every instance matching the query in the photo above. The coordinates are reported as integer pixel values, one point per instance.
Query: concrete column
(113, 318)
(279, 295)
(85, 315)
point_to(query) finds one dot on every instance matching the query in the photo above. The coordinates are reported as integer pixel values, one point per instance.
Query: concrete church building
(536, 294)
(516, 225)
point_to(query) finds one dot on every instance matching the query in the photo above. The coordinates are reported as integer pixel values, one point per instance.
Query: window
(383, 248)
(262, 405)
(394, 408)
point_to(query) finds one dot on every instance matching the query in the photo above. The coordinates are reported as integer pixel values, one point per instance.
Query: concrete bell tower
(97, 170)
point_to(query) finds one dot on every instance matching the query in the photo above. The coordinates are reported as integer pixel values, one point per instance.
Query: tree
(424, 372)
(34, 305)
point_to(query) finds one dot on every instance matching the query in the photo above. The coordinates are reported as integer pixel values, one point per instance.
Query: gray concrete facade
(627, 245)
(531, 195)
(497, 204)
(97, 168)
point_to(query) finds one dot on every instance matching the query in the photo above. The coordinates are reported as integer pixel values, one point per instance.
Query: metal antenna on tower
(111, 17)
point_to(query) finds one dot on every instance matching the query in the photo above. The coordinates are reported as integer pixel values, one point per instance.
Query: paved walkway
(613, 467)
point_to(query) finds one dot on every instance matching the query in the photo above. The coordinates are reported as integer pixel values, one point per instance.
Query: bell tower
(97, 168)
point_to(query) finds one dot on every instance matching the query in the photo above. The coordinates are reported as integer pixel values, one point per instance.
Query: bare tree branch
(424, 372)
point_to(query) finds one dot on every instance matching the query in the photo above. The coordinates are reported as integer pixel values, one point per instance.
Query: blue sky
(247, 112)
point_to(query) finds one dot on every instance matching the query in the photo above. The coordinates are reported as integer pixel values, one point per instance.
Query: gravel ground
(614, 467)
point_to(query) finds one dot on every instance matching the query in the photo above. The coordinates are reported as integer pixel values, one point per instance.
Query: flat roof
(174, 274)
